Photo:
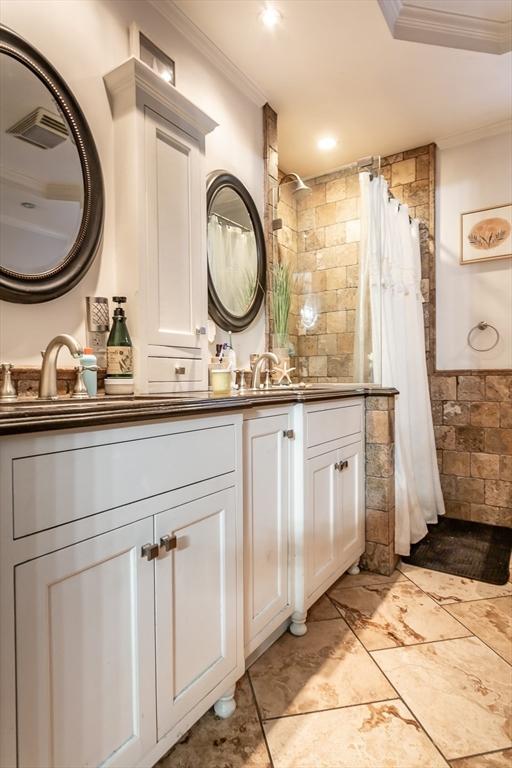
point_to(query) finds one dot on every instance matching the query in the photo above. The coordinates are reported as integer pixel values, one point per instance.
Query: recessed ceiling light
(327, 142)
(270, 16)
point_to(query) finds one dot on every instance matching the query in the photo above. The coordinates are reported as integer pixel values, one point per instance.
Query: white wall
(84, 39)
(472, 176)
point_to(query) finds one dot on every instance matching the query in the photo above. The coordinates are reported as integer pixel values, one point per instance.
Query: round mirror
(236, 254)
(51, 188)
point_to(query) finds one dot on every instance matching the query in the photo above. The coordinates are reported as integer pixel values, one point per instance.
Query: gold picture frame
(486, 237)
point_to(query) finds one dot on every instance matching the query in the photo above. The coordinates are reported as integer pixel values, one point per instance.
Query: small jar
(221, 379)
(119, 386)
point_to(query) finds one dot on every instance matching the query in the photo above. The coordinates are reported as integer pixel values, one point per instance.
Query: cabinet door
(197, 590)
(321, 520)
(176, 269)
(266, 522)
(85, 653)
(351, 493)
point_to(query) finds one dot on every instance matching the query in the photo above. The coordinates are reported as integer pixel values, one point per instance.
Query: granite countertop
(29, 415)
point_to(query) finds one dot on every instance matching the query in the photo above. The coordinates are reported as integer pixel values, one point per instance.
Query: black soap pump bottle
(119, 344)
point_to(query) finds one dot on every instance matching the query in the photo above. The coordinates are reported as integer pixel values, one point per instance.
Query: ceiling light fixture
(326, 143)
(270, 16)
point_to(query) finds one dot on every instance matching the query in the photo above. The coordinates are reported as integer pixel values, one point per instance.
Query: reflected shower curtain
(390, 295)
(233, 269)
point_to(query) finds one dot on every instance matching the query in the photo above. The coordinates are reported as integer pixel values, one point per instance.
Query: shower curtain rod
(231, 222)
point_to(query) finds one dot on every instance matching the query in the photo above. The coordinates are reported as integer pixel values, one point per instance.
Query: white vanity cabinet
(330, 491)
(111, 650)
(85, 653)
(268, 458)
(161, 226)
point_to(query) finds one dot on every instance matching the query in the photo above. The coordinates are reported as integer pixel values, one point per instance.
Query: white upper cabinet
(161, 226)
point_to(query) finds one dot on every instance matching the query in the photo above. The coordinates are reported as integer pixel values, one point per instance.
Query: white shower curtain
(390, 294)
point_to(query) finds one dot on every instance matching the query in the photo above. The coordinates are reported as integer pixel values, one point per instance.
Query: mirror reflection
(232, 251)
(41, 183)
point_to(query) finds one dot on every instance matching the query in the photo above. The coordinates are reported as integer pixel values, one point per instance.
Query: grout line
(481, 640)
(330, 709)
(457, 602)
(260, 720)
(479, 754)
(424, 642)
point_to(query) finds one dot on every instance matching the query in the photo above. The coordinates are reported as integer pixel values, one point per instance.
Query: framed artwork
(486, 234)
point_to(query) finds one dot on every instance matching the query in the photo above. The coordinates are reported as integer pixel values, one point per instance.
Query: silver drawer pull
(149, 551)
(179, 369)
(168, 542)
(201, 330)
(341, 465)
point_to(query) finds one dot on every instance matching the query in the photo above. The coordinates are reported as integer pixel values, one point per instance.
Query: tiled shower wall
(328, 235)
(472, 410)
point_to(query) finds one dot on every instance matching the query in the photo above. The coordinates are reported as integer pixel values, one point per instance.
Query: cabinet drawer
(59, 487)
(174, 369)
(326, 424)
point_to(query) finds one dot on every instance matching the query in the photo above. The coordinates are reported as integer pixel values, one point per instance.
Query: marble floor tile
(502, 759)
(444, 588)
(384, 616)
(365, 578)
(322, 609)
(384, 735)
(327, 667)
(459, 690)
(236, 742)
(490, 620)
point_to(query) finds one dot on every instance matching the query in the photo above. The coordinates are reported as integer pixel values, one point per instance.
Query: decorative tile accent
(458, 689)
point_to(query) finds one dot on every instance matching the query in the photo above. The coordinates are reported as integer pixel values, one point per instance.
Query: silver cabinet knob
(179, 370)
(149, 551)
(341, 465)
(201, 330)
(168, 542)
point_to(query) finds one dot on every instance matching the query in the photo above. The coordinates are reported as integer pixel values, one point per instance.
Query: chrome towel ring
(482, 326)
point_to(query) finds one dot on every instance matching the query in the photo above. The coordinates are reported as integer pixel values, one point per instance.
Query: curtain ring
(482, 326)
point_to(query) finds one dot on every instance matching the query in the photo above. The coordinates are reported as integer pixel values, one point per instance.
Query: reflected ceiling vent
(41, 128)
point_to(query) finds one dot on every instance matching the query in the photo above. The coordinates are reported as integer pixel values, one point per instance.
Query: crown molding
(485, 131)
(134, 76)
(175, 16)
(410, 21)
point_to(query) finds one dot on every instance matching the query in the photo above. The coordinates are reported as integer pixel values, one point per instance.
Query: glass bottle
(119, 344)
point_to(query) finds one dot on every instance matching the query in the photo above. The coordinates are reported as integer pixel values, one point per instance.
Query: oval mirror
(51, 187)
(236, 254)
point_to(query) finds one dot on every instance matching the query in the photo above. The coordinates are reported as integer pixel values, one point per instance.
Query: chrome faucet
(48, 380)
(256, 373)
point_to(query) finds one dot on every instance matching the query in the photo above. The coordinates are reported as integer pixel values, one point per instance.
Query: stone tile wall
(328, 240)
(379, 554)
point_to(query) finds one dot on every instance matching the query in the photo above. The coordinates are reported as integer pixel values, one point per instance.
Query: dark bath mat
(462, 548)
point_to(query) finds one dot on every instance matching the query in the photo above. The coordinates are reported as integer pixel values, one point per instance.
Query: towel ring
(482, 326)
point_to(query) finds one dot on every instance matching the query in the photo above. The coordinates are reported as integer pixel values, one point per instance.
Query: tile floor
(411, 670)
